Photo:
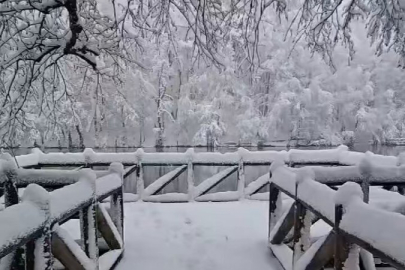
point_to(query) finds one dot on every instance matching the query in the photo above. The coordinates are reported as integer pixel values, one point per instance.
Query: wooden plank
(64, 254)
(157, 186)
(321, 253)
(286, 224)
(273, 197)
(299, 217)
(208, 184)
(130, 170)
(108, 229)
(341, 245)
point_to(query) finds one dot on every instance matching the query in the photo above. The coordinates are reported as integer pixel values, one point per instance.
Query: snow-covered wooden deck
(185, 236)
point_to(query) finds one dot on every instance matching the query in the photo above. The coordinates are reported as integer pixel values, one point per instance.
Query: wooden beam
(158, 185)
(208, 184)
(64, 254)
(280, 232)
(108, 229)
(321, 252)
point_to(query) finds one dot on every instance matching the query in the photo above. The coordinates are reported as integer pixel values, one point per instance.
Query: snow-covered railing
(353, 224)
(338, 156)
(30, 229)
(342, 166)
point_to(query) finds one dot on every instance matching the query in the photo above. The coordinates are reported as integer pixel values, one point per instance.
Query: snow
(156, 185)
(27, 160)
(347, 193)
(167, 197)
(319, 197)
(74, 248)
(284, 254)
(197, 236)
(305, 259)
(108, 183)
(338, 175)
(37, 195)
(63, 202)
(13, 230)
(352, 261)
(47, 177)
(107, 260)
(255, 185)
(225, 196)
(385, 230)
(213, 180)
(316, 156)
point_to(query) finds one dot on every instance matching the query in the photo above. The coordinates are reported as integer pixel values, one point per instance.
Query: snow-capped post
(39, 252)
(401, 164)
(365, 171)
(89, 157)
(8, 173)
(241, 172)
(302, 218)
(88, 224)
(190, 173)
(346, 254)
(274, 195)
(140, 185)
(36, 151)
(117, 200)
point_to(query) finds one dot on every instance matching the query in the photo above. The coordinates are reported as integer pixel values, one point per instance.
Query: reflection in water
(203, 172)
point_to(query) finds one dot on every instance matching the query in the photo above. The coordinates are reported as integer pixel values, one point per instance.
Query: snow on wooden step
(226, 196)
(385, 230)
(167, 197)
(257, 184)
(207, 184)
(162, 181)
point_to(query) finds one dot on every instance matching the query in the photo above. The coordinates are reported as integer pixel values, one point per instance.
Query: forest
(130, 73)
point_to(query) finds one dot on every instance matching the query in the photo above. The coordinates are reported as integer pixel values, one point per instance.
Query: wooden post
(273, 198)
(88, 224)
(299, 244)
(11, 198)
(117, 200)
(340, 252)
(190, 174)
(38, 252)
(241, 174)
(140, 185)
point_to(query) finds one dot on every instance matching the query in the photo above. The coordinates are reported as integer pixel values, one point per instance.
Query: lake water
(203, 172)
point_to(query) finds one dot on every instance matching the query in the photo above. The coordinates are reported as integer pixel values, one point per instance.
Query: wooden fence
(31, 237)
(233, 163)
(357, 230)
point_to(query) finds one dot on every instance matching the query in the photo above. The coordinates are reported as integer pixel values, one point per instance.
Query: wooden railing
(30, 233)
(357, 229)
(233, 163)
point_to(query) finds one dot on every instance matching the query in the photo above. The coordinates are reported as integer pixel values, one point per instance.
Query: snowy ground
(197, 236)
